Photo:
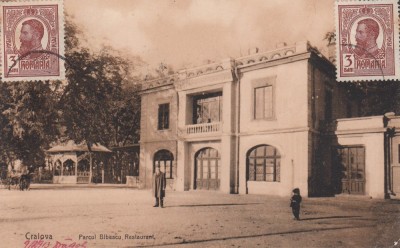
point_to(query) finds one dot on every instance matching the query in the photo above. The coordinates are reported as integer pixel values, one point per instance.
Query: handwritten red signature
(68, 243)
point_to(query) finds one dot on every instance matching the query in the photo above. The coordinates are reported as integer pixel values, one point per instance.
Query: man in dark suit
(159, 184)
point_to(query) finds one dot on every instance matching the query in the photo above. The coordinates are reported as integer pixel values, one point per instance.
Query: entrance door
(207, 169)
(352, 161)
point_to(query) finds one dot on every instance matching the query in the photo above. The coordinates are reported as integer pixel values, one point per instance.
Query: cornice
(223, 71)
(204, 80)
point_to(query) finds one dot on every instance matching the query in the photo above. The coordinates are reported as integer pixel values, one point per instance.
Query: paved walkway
(191, 219)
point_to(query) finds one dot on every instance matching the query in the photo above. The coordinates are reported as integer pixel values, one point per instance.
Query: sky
(187, 33)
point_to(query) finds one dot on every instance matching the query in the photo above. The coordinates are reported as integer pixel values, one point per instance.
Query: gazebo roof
(70, 146)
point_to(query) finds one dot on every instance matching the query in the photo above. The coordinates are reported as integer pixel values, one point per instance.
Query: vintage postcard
(199, 123)
(367, 40)
(32, 40)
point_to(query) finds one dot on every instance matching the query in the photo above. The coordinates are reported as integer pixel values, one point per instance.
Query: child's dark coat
(295, 205)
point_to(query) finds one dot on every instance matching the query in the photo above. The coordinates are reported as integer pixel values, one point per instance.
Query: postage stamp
(367, 46)
(32, 40)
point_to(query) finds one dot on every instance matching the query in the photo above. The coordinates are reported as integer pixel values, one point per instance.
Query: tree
(28, 120)
(100, 104)
(97, 104)
(330, 37)
(380, 97)
(94, 86)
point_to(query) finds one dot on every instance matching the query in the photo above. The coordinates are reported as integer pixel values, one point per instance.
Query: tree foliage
(28, 120)
(330, 37)
(97, 103)
(98, 106)
(380, 97)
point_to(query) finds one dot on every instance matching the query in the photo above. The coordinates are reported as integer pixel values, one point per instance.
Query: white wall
(290, 89)
(293, 149)
(374, 161)
(149, 116)
(368, 132)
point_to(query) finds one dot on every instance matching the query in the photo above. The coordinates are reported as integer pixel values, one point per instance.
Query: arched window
(165, 159)
(69, 168)
(83, 165)
(263, 164)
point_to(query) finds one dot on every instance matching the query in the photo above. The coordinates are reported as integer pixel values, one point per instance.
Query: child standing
(295, 203)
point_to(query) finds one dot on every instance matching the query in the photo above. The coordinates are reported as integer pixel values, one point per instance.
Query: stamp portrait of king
(367, 47)
(367, 32)
(33, 40)
(31, 36)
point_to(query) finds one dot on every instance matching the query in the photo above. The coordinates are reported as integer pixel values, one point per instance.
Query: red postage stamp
(32, 40)
(367, 46)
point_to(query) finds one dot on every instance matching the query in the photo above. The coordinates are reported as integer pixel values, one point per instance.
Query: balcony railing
(203, 128)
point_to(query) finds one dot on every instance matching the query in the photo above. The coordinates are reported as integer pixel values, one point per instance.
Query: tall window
(207, 108)
(164, 159)
(207, 169)
(263, 164)
(163, 116)
(352, 166)
(263, 102)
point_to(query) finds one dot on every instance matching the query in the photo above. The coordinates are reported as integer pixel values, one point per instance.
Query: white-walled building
(260, 124)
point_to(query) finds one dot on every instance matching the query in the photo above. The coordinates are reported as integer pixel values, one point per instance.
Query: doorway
(207, 169)
(352, 166)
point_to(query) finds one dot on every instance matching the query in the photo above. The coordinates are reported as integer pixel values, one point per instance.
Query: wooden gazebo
(73, 163)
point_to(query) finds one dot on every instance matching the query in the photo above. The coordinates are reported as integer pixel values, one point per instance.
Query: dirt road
(122, 217)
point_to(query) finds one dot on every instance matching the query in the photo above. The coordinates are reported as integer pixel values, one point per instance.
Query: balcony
(202, 128)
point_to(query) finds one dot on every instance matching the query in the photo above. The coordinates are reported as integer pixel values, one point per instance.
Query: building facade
(367, 154)
(259, 124)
